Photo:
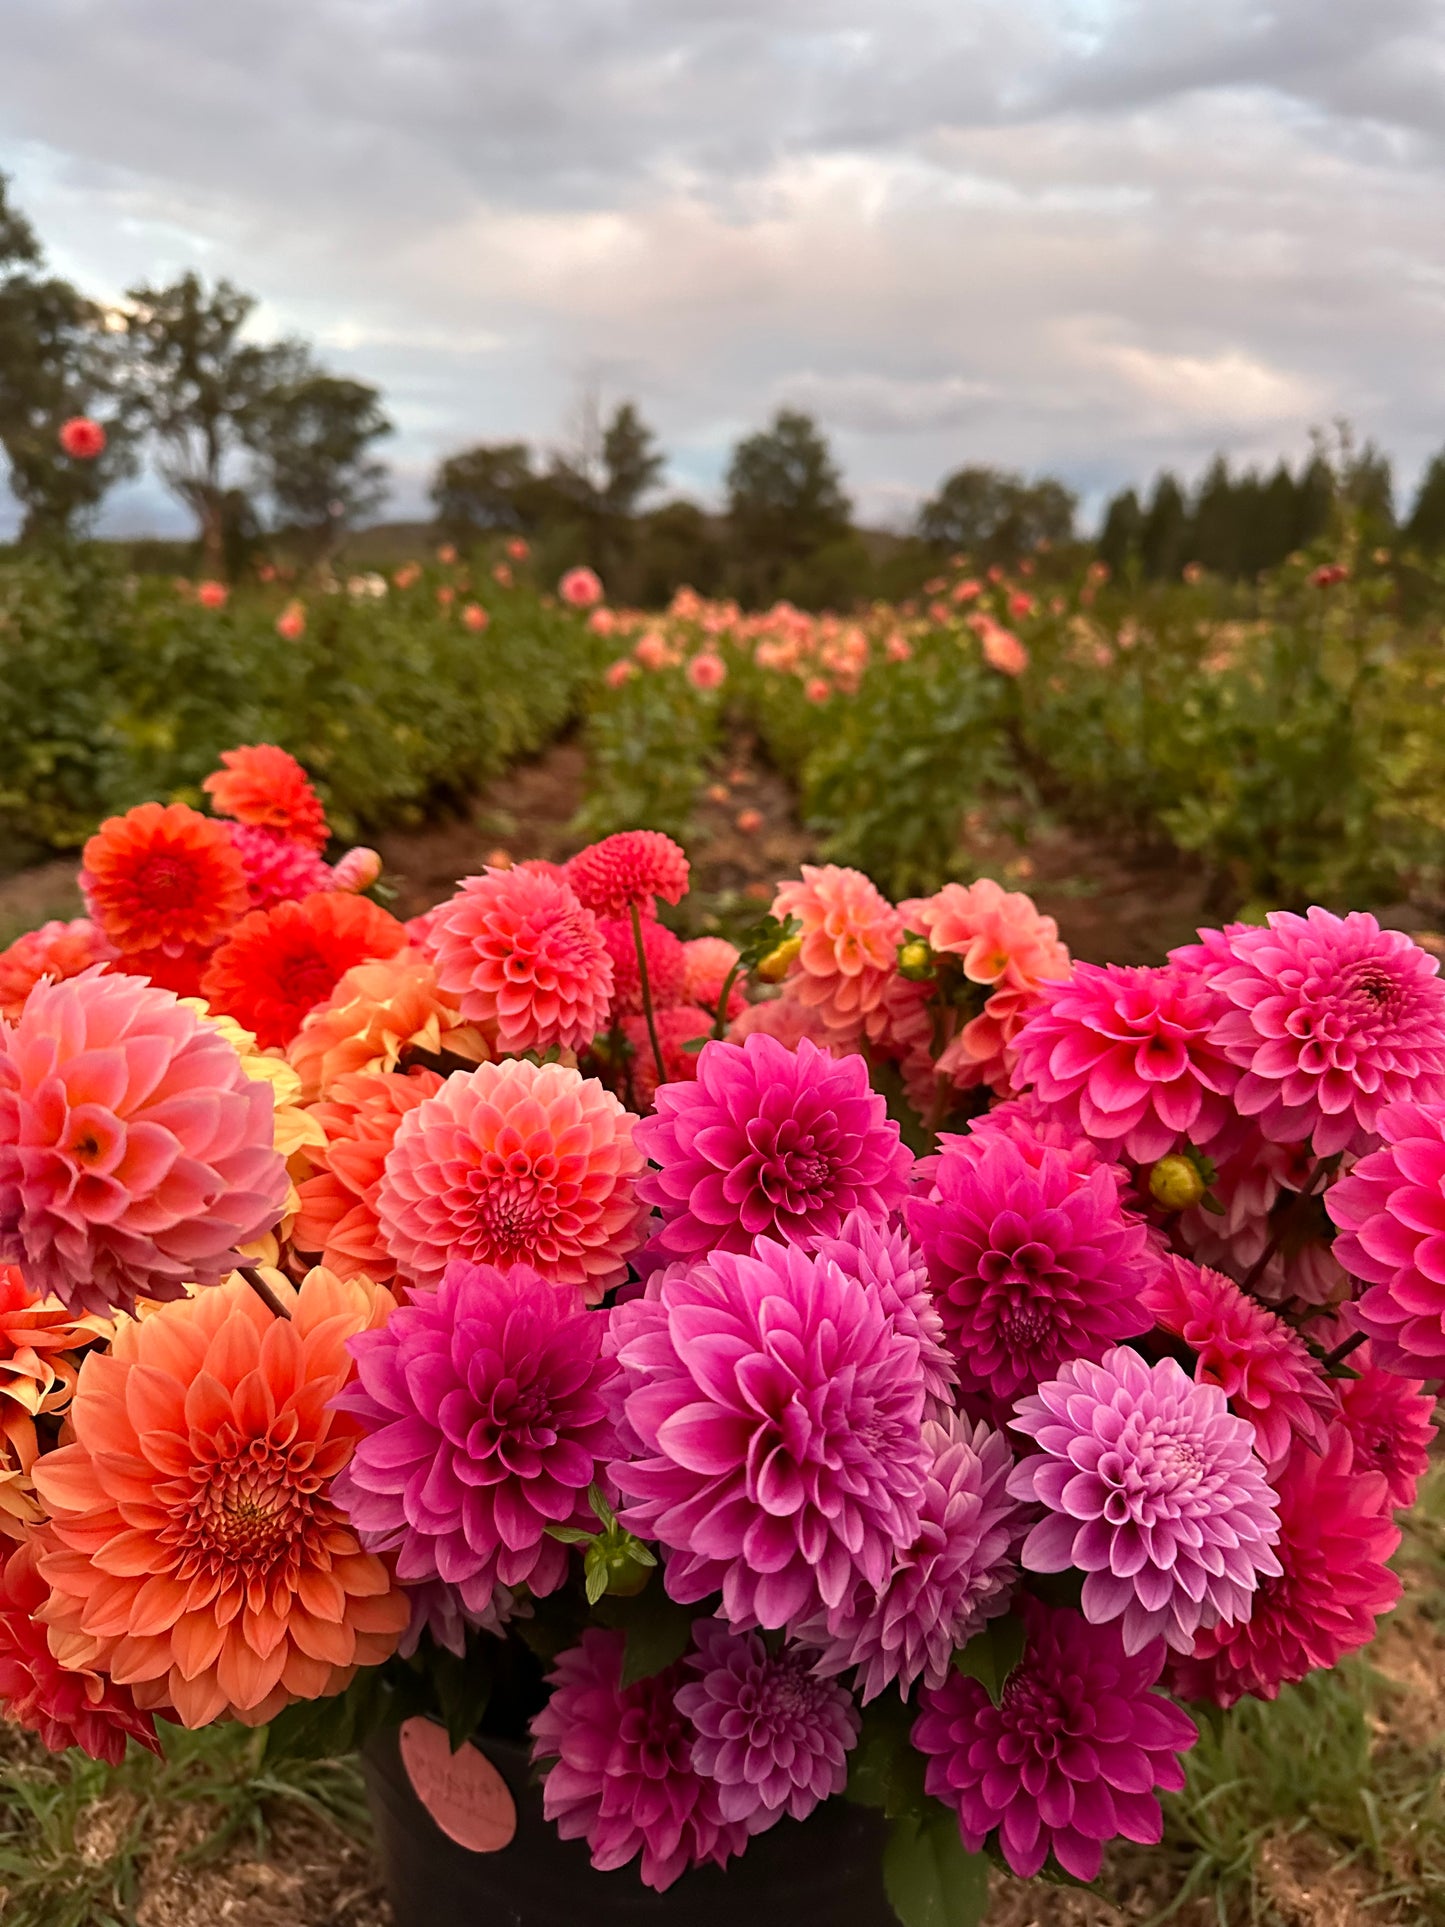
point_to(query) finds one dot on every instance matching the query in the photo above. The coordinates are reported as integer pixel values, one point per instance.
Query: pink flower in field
(278, 869)
(817, 689)
(708, 963)
(1020, 603)
(849, 956)
(632, 867)
(790, 1021)
(602, 622)
(890, 1264)
(1389, 1417)
(357, 870)
(475, 617)
(666, 964)
(681, 1029)
(212, 595)
(748, 822)
(291, 623)
(580, 588)
(619, 672)
(502, 575)
(518, 549)
(1390, 1212)
(707, 670)
(652, 651)
(1003, 651)
(967, 590)
(898, 648)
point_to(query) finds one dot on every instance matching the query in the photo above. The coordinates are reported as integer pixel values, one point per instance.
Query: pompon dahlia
(163, 878)
(195, 1552)
(278, 869)
(1390, 1211)
(57, 950)
(769, 1141)
(1031, 1262)
(888, 1262)
(515, 1163)
(1074, 1754)
(773, 1737)
(377, 1012)
(849, 955)
(632, 868)
(135, 1153)
(682, 1026)
(62, 1708)
(1260, 1363)
(956, 1574)
(1154, 1491)
(360, 1118)
(666, 964)
(708, 963)
(483, 1408)
(267, 787)
(1332, 1019)
(521, 956)
(278, 964)
(1129, 1056)
(1335, 1535)
(778, 1416)
(622, 1777)
(1391, 1419)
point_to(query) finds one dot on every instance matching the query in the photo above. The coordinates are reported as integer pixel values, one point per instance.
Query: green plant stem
(720, 1021)
(643, 980)
(1323, 1169)
(1342, 1351)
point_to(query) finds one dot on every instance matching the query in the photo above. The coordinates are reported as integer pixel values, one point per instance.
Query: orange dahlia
(359, 1117)
(278, 964)
(194, 1552)
(163, 878)
(54, 950)
(266, 786)
(376, 1012)
(849, 951)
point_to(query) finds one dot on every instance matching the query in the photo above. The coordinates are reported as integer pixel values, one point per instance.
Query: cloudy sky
(1088, 236)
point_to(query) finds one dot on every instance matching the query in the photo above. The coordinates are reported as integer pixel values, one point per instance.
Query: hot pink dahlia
(1129, 1056)
(666, 964)
(1391, 1419)
(1072, 1755)
(708, 963)
(1335, 1535)
(1332, 1019)
(888, 1262)
(1154, 1491)
(633, 867)
(135, 1153)
(522, 956)
(515, 1163)
(768, 1140)
(773, 1737)
(849, 954)
(957, 1573)
(778, 1415)
(680, 1031)
(623, 1778)
(483, 1409)
(278, 869)
(1391, 1216)
(1260, 1363)
(54, 950)
(1031, 1264)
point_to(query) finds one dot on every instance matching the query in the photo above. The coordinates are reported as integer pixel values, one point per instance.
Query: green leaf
(657, 1629)
(570, 1535)
(325, 1729)
(930, 1877)
(885, 1769)
(463, 1689)
(990, 1656)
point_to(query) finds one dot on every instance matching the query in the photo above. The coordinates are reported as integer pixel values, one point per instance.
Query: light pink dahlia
(278, 869)
(622, 1776)
(523, 958)
(778, 1419)
(1031, 1264)
(849, 955)
(666, 964)
(135, 1153)
(886, 1260)
(1390, 1212)
(1332, 1019)
(515, 1163)
(1071, 1757)
(1154, 1491)
(769, 1141)
(635, 867)
(1128, 1055)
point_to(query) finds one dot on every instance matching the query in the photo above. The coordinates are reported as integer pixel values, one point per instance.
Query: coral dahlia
(849, 952)
(278, 964)
(629, 870)
(708, 964)
(1390, 1211)
(680, 1031)
(266, 786)
(163, 878)
(376, 1014)
(55, 950)
(360, 1117)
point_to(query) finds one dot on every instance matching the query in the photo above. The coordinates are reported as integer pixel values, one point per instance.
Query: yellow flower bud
(774, 967)
(915, 960)
(1176, 1183)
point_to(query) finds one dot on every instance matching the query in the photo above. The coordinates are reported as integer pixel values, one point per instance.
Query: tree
(488, 489)
(1164, 534)
(785, 498)
(631, 460)
(1425, 529)
(1119, 536)
(996, 516)
(315, 451)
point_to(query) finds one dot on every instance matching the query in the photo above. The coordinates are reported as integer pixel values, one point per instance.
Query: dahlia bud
(774, 966)
(1177, 1183)
(915, 960)
(616, 1563)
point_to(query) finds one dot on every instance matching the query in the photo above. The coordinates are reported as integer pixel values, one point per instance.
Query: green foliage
(996, 517)
(648, 742)
(785, 499)
(991, 1655)
(315, 446)
(930, 1877)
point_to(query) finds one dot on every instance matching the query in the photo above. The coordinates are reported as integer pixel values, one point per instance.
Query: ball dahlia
(135, 1153)
(1390, 1211)
(680, 1031)
(1153, 1490)
(889, 1263)
(629, 870)
(278, 964)
(515, 1163)
(849, 953)
(278, 869)
(1073, 1755)
(336, 1215)
(56, 950)
(708, 963)
(82, 438)
(163, 878)
(265, 786)
(195, 1552)
(666, 964)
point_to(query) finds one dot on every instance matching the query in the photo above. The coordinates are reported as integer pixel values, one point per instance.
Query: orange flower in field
(281, 963)
(266, 786)
(163, 878)
(194, 1552)
(337, 1218)
(849, 952)
(212, 595)
(55, 950)
(376, 1012)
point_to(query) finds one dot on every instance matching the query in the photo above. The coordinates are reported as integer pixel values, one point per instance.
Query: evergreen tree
(785, 500)
(1425, 530)
(1164, 537)
(1119, 536)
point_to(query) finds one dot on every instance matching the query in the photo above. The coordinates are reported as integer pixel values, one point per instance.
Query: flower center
(246, 1513)
(307, 978)
(1372, 983)
(166, 882)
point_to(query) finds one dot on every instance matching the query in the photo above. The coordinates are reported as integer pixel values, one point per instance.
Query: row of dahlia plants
(525, 1315)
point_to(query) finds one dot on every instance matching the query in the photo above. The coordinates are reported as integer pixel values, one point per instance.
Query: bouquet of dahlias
(522, 1301)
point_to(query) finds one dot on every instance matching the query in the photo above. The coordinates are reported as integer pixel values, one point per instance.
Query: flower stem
(263, 1291)
(720, 1022)
(1343, 1350)
(1325, 1168)
(646, 985)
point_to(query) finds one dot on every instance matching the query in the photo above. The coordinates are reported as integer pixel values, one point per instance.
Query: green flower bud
(915, 960)
(774, 967)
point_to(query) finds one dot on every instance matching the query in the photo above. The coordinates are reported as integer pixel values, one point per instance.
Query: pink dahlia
(622, 1777)
(522, 956)
(681, 1030)
(790, 1020)
(1332, 1019)
(769, 1141)
(483, 1410)
(55, 950)
(1072, 1755)
(1390, 1212)
(1335, 1535)
(708, 963)
(666, 964)
(774, 1738)
(889, 1263)
(438, 1614)
(1129, 1056)
(1260, 1363)
(778, 1416)
(1031, 1263)
(135, 1153)
(515, 1163)
(278, 869)
(630, 869)
(957, 1573)
(1153, 1490)
(849, 954)
(1391, 1419)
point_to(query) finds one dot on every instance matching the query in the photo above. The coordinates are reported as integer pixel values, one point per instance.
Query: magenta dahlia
(1154, 1491)
(1391, 1419)
(1390, 1211)
(778, 1419)
(278, 869)
(631, 869)
(1031, 1263)
(773, 1737)
(484, 1416)
(1071, 1757)
(888, 1262)
(439, 1612)
(769, 1141)
(1331, 1019)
